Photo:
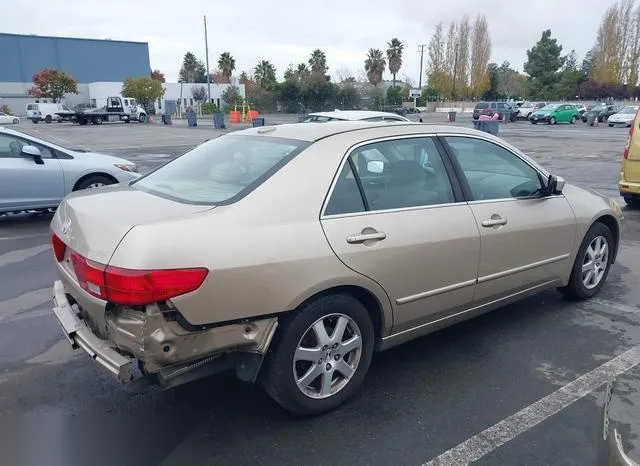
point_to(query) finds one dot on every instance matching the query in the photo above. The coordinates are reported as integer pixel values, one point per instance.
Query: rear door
(25, 184)
(396, 215)
(526, 240)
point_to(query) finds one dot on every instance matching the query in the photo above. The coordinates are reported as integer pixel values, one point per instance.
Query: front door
(526, 238)
(394, 217)
(25, 184)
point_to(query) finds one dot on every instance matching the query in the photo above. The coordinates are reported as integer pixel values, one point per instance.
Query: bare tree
(450, 53)
(342, 74)
(462, 62)
(633, 59)
(436, 66)
(199, 93)
(613, 47)
(480, 55)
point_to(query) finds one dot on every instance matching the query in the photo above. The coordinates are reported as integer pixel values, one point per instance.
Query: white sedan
(624, 117)
(353, 115)
(6, 119)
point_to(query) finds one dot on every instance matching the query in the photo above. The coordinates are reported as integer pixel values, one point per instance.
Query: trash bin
(258, 122)
(488, 126)
(192, 119)
(591, 117)
(166, 119)
(218, 120)
(452, 116)
(506, 116)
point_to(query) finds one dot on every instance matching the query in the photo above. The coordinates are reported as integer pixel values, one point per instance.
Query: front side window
(393, 174)
(11, 147)
(493, 172)
(221, 170)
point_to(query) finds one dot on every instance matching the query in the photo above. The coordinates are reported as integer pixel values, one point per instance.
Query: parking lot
(491, 390)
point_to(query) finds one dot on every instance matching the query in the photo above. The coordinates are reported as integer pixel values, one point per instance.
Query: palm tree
(374, 65)
(264, 74)
(318, 62)
(394, 55)
(226, 65)
(189, 68)
(302, 71)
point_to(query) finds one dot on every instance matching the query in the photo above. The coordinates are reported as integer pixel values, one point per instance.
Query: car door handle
(495, 220)
(361, 238)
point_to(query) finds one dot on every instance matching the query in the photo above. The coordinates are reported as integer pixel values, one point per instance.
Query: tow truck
(113, 111)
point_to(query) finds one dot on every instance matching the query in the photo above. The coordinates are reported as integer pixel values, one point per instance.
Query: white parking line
(497, 435)
(15, 238)
(22, 254)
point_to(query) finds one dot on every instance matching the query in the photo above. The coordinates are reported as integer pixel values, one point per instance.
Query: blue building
(87, 60)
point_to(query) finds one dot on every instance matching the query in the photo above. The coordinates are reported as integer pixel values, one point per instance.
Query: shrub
(209, 108)
(5, 109)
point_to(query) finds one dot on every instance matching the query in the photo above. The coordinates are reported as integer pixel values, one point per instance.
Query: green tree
(231, 96)
(374, 65)
(265, 74)
(226, 65)
(53, 84)
(318, 62)
(544, 60)
(394, 56)
(144, 90)
(394, 96)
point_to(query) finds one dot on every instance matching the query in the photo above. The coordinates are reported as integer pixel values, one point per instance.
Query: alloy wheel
(594, 264)
(327, 356)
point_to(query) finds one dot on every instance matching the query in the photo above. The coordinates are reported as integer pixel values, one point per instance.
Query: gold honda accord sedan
(292, 253)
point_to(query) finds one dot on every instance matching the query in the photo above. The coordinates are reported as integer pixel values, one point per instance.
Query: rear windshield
(222, 170)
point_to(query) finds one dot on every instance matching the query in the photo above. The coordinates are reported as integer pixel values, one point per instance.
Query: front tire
(573, 120)
(94, 181)
(16, 121)
(552, 121)
(592, 263)
(48, 119)
(320, 355)
(610, 125)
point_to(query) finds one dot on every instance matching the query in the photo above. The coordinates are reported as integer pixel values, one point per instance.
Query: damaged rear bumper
(81, 336)
(168, 353)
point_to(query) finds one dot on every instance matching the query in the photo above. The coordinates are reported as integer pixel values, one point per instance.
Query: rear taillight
(59, 247)
(134, 287)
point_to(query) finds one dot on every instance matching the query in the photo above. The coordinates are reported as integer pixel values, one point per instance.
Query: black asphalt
(58, 407)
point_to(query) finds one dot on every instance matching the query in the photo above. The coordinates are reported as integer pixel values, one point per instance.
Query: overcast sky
(286, 31)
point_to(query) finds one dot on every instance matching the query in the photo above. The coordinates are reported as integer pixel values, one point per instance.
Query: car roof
(353, 114)
(314, 132)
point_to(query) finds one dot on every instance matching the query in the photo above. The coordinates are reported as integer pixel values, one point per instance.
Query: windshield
(629, 110)
(222, 170)
(550, 107)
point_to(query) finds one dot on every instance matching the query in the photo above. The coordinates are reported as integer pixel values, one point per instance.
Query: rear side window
(482, 106)
(222, 170)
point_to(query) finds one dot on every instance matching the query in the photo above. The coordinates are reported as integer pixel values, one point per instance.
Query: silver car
(35, 174)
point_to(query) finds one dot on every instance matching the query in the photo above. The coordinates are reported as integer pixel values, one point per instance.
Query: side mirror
(555, 185)
(560, 182)
(33, 151)
(375, 166)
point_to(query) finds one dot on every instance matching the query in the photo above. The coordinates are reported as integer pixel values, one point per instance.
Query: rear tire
(94, 181)
(48, 119)
(591, 258)
(632, 201)
(326, 387)
(16, 121)
(610, 125)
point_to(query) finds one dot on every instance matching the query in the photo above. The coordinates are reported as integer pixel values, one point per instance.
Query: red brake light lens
(59, 247)
(134, 287)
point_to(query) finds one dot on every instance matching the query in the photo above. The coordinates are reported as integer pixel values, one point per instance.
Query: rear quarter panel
(589, 206)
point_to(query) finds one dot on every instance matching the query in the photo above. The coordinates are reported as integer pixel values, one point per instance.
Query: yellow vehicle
(629, 184)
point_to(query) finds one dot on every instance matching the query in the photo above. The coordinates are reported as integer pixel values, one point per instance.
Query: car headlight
(127, 167)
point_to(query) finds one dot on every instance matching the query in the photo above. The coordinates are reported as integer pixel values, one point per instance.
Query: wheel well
(611, 223)
(368, 300)
(85, 177)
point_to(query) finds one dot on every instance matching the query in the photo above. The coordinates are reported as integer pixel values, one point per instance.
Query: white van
(46, 112)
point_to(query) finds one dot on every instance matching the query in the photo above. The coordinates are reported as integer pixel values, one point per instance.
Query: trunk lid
(93, 222)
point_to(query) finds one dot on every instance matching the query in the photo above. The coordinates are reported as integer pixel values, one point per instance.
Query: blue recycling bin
(257, 122)
(192, 119)
(218, 120)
